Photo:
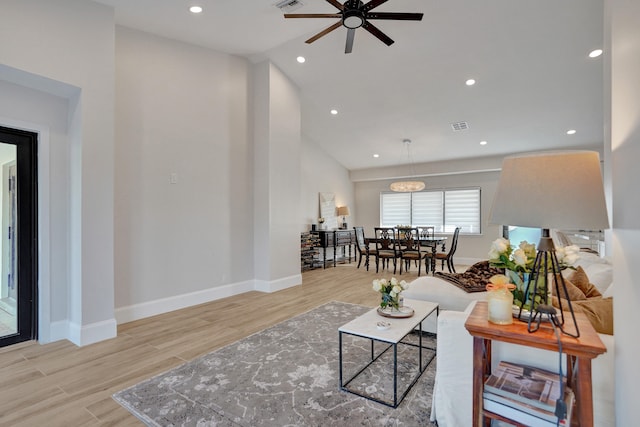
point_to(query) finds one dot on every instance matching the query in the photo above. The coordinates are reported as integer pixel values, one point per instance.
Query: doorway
(18, 237)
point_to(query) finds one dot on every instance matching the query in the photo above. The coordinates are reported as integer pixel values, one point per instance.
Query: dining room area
(396, 250)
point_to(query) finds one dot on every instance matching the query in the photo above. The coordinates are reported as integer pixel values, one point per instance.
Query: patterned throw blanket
(475, 279)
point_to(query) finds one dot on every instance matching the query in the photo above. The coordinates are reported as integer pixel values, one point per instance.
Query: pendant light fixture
(409, 185)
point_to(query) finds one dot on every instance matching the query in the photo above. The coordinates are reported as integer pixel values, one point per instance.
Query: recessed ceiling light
(571, 131)
(483, 142)
(195, 9)
(470, 82)
(376, 155)
(334, 112)
(300, 59)
(595, 53)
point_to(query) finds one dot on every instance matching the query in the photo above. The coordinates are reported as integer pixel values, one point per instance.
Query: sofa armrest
(454, 379)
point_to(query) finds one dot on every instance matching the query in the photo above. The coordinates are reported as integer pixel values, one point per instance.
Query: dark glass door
(18, 240)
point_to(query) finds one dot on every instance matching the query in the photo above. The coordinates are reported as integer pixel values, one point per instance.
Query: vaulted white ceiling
(529, 58)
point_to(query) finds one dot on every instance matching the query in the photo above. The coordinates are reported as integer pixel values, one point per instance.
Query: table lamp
(343, 211)
(561, 190)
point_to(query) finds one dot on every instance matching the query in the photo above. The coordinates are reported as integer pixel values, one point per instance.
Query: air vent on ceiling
(288, 6)
(458, 126)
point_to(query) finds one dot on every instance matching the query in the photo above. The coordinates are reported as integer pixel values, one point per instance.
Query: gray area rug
(288, 375)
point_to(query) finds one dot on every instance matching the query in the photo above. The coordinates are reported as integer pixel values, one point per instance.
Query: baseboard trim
(82, 335)
(278, 285)
(165, 305)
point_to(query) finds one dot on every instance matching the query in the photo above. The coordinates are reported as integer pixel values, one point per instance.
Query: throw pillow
(580, 279)
(598, 310)
(575, 293)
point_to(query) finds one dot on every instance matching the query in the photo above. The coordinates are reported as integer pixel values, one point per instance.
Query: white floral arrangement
(390, 291)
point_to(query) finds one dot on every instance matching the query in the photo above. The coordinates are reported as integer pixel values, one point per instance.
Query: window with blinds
(443, 209)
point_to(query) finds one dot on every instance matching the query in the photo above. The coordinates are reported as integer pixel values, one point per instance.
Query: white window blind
(395, 209)
(462, 209)
(443, 209)
(427, 209)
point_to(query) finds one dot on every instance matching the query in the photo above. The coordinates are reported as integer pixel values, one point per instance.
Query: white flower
(404, 284)
(394, 281)
(393, 293)
(377, 286)
(519, 257)
(397, 289)
(500, 245)
(568, 255)
(493, 253)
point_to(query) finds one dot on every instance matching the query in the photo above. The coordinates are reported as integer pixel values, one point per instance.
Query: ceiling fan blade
(324, 32)
(350, 35)
(336, 4)
(372, 4)
(312, 15)
(395, 15)
(376, 32)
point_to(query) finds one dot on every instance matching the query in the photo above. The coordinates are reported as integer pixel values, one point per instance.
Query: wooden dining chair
(387, 247)
(448, 256)
(363, 247)
(411, 250)
(427, 231)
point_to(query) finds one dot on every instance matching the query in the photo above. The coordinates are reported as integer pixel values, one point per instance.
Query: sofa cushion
(448, 296)
(580, 279)
(574, 292)
(598, 310)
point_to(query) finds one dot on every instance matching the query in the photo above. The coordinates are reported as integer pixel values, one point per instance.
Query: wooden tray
(402, 313)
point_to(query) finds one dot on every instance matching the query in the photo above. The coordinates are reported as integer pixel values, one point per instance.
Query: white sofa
(452, 404)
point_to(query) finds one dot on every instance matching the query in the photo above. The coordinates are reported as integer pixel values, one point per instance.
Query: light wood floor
(59, 384)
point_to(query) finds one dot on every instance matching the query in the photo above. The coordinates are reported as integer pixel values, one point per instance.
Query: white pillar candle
(500, 303)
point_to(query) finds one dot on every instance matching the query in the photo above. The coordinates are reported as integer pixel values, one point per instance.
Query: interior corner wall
(625, 151)
(277, 154)
(184, 175)
(65, 47)
(321, 173)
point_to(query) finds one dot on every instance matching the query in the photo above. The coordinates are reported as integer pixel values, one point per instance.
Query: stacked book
(527, 395)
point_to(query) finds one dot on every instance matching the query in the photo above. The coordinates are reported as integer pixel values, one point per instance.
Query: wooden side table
(579, 353)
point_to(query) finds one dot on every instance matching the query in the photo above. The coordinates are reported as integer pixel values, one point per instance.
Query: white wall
(180, 110)
(276, 179)
(321, 173)
(66, 47)
(625, 175)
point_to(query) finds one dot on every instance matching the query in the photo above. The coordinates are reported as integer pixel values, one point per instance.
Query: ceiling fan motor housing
(352, 16)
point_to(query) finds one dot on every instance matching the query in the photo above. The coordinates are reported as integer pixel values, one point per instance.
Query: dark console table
(336, 239)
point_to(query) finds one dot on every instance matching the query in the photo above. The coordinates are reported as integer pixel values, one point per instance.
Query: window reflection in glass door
(8, 242)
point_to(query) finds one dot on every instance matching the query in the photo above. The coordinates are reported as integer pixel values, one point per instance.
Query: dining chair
(363, 247)
(387, 247)
(428, 231)
(412, 250)
(448, 256)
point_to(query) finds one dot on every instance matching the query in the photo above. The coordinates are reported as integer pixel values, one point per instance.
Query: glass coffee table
(391, 334)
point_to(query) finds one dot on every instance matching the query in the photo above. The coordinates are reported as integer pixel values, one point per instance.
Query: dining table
(431, 241)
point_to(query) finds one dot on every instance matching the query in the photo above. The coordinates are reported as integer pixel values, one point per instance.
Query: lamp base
(546, 263)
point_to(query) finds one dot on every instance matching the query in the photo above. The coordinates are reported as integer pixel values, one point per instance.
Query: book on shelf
(527, 384)
(527, 414)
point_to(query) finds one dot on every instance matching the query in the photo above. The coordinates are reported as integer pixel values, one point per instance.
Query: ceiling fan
(355, 14)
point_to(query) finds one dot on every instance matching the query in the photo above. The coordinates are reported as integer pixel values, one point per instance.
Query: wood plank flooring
(59, 384)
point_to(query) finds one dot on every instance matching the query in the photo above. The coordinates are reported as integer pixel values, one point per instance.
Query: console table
(579, 353)
(336, 239)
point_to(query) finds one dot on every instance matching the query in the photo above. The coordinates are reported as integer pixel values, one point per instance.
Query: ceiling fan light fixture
(352, 19)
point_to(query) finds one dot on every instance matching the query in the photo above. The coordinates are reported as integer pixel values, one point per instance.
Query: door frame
(27, 246)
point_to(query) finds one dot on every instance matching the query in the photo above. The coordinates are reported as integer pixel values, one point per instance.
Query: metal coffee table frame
(403, 328)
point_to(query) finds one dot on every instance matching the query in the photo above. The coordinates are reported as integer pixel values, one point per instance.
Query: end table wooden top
(589, 344)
